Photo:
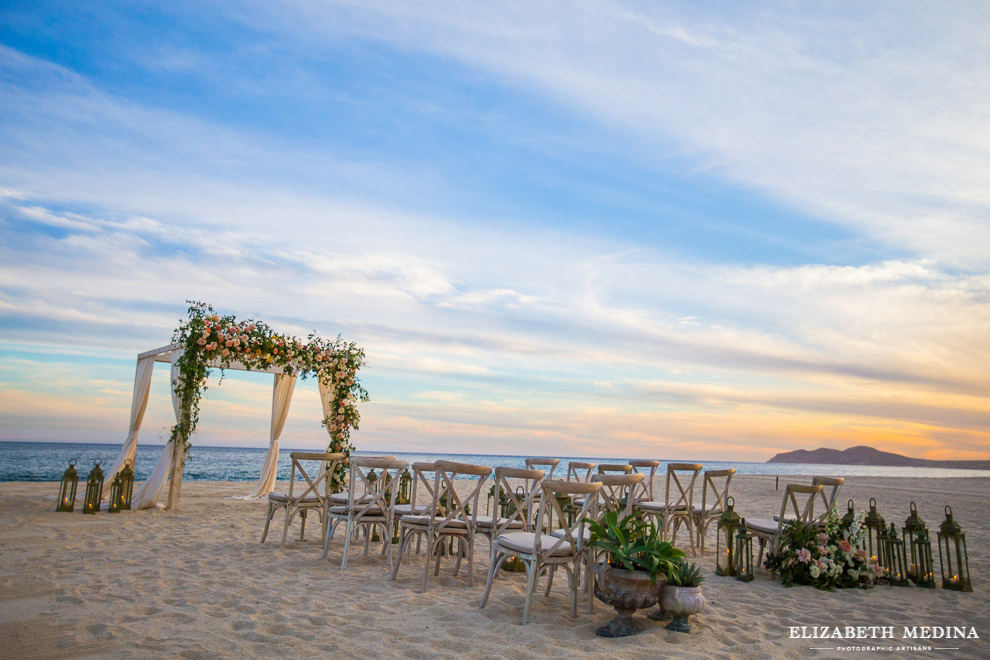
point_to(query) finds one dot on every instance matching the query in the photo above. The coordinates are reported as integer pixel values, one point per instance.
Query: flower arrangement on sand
(826, 557)
(210, 340)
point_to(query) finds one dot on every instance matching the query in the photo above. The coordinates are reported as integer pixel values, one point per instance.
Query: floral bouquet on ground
(825, 556)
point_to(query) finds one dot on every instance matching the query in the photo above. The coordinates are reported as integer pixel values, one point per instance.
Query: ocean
(46, 461)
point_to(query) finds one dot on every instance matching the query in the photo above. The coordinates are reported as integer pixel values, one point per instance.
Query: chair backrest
(833, 484)
(550, 510)
(714, 491)
(617, 490)
(540, 463)
(423, 475)
(315, 486)
(382, 491)
(579, 471)
(681, 496)
(448, 507)
(520, 505)
(644, 490)
(624, 468)
(792, 501)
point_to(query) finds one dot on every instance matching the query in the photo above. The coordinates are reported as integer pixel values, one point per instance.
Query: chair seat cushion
(489, 521)
(661, 507)
(342, 511)
(341, 498)
(424, 521)
(284, 497)
(762, 525)
(526, 542)
(559, 533)
(403, 509)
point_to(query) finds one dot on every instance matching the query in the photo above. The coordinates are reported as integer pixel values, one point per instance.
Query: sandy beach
(196, 583)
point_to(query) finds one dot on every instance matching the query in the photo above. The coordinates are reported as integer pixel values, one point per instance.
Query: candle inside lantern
(913, 571)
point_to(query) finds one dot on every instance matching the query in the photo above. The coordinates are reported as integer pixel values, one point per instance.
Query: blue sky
(680, 231)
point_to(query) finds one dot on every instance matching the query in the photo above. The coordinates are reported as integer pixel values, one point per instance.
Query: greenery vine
(210, 341)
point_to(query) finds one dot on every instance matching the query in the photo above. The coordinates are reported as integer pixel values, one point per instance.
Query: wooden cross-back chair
(449, 517)
(580, 471)
(342, 496)
(644, 490)
(548, 465)
(714, 491)
(304, 498)
(370, 504)
(625, 468)
(617, 492)
(520, 513)
(538, 550)
(675, 510)
(798, 504)
(830, 491)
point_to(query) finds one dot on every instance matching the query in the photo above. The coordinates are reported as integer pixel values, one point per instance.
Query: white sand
(196, 583)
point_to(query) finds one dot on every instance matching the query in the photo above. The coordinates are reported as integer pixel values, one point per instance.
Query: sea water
(46, 461)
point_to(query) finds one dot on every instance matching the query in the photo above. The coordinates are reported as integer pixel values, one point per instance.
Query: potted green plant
(682, 596)
(637, 565)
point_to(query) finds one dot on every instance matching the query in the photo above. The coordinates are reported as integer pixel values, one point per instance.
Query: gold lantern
(744, 554)
(875, 531)
(921, 547)
(895, 567)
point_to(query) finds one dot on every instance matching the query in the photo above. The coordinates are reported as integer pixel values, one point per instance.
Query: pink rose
(201, 341)
(804, 555)
(845, 546)
(225, 352)
(822, 539)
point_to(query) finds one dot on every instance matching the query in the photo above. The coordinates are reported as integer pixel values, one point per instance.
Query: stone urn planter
(682, 602)
(626, 591)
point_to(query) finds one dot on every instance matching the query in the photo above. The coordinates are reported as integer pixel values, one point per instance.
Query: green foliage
(209, 340)
(686, 575)
(634, 544)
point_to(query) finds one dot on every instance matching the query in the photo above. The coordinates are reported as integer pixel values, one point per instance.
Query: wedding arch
(205, 341)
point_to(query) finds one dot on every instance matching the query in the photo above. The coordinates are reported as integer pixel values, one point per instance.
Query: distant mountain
(869, 456)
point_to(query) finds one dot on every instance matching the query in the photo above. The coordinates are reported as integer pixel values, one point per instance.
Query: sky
(663, 230)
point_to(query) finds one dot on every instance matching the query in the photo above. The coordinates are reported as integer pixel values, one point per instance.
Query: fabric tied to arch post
(281, 399)
(150, 491)
(139, 404)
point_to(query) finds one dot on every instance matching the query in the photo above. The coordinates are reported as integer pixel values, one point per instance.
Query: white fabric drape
(281, 398)
(139, 403)
(151, 490)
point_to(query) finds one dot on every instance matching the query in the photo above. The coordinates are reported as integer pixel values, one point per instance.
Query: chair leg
(552, 570)
(573, 585)
(268, 521)
(763, 542)
(302, 530)
(429, 558)
(404, 537)
(532, 571)
(347, 543)
(690, 528)
(493, 567)
(288, 521)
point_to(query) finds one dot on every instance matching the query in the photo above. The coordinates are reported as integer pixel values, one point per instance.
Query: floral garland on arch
(210, 339)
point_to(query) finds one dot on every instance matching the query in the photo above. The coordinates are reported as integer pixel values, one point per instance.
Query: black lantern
(912, 526)
(121, 489)
(67, 491)
(849, 519)
(744, 554)
(875, 531)
(952, 556)
(896, 566)
(405, 489)
(94, 488)
(725, 539)
(921, 547)
(372, 478)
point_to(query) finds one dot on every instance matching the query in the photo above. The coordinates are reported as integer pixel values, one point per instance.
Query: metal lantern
(910, 530)
(372, 478)
(924, 570)
(952, 556)
(875, 531)
(744, 554)
(896, 566)
(114, 495)
(725, 539)
(94, 488)
(405, 489)
(67, 491)
(849, 519)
